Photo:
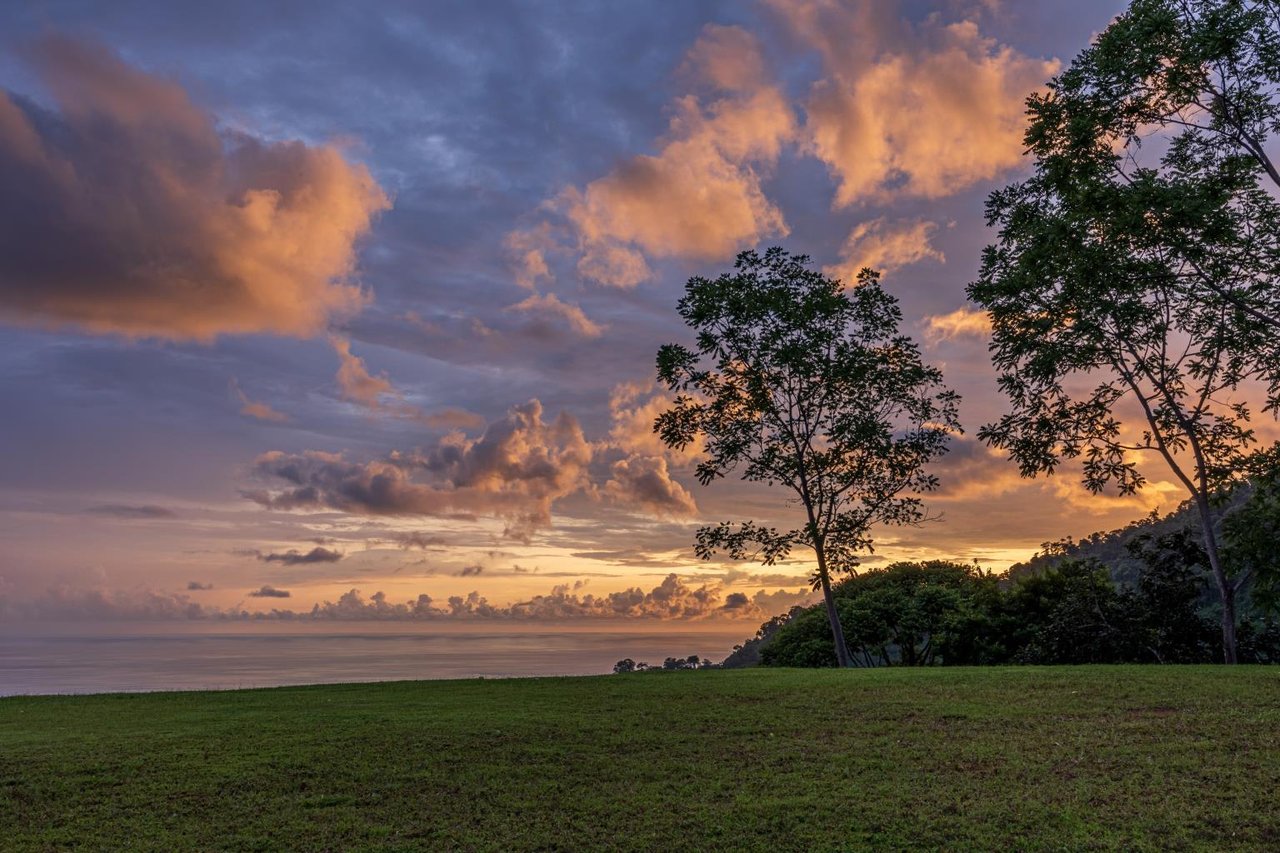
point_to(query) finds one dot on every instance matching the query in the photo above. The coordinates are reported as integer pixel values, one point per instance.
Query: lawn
(996, 758)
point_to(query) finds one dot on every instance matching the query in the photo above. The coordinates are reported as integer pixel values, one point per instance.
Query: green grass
(999, 758)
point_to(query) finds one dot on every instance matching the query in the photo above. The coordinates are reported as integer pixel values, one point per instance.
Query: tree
(1154, 280)
(801, 383)
(1176, 101)
(1251, 531)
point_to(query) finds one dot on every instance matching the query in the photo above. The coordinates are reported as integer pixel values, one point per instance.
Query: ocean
(127, 658)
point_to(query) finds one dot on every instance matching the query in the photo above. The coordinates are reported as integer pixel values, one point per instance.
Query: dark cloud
(416, 539)
(208, 241)
(197, 586)
(470, 571)
(293, 557)
(143, 511)
(268, 591)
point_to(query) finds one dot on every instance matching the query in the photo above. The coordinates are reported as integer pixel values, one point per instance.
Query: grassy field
(999, 758)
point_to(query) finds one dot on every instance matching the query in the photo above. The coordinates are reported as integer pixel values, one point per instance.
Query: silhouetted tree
(1153, 276)
(809, 386)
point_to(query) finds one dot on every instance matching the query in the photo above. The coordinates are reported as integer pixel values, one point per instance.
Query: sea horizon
(147, 657)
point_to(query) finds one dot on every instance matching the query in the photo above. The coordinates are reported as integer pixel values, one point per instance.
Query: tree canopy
(796, 381)
(1136, 268)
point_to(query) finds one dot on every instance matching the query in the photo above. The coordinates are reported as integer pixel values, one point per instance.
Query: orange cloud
(962, 322)
(699, 196)
(633, 407)
(261, 411)
(885, 246)
(126, 211)
(906, 109)
(550, 305)
(355, 383)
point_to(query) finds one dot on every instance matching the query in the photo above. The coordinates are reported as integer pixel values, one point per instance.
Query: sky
(354, 307)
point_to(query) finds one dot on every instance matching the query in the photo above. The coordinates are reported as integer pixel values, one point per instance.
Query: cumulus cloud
(960, 323)
(550, 306)
(293, 557)
(515, 470)
(673, 598)
(268, 591)
(910, 109)
(643, 483)
(699, 196)
(141, 512)
(885, 246)
(633, 408)
(253, 409)
(223, 232)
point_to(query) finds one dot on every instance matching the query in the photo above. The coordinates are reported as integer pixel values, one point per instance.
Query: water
(89, 659)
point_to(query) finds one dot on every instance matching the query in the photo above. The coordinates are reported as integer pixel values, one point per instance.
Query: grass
(1002, 758)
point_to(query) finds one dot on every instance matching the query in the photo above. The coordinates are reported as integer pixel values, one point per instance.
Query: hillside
(999, 758)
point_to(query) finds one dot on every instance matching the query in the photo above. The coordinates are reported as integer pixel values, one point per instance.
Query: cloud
(197, 586)
(268, 591)
(261, 411)
(885, 246)
(355, 383)
(222, 232)
(292, 557)
(633, 408)
(644, 483)
(528, 250)
(698, 197)
(69, 603)
(470, 571)
(515, 470)
(673, 598)
(972, 471)
(962, 322)
(910, 109)
(549, 305)
(143, 512)
(416, 540)
(726, 58)
(453, 419)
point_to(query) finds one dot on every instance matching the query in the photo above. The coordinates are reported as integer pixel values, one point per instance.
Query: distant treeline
(1136, 595)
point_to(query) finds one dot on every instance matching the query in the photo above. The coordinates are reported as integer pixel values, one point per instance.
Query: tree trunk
(1226, 589)
(843, 658)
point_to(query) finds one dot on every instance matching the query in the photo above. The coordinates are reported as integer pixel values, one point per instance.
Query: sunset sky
(296, 300)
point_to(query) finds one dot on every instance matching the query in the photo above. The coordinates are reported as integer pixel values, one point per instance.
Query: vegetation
(1150, 275)
(1068, 610)
(810, 386)
(957, 759)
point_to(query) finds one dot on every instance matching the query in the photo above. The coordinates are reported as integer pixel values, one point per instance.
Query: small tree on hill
(804, 384)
